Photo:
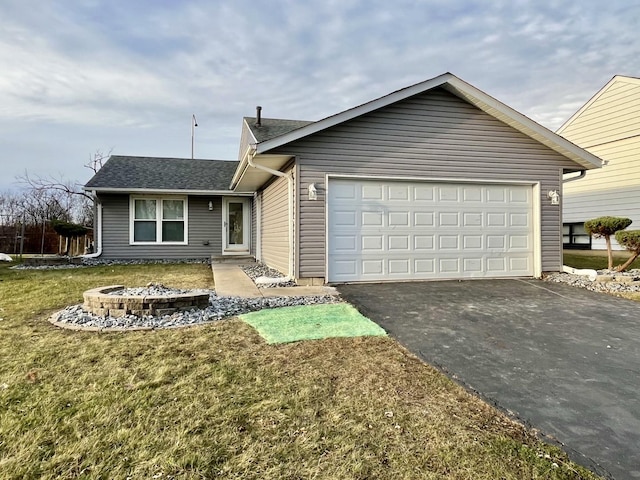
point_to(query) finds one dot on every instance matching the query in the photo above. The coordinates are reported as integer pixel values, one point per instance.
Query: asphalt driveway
(563, 359)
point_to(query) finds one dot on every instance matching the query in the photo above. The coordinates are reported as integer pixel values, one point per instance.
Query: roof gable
(612, 111)
(127, 173)
(461, 89)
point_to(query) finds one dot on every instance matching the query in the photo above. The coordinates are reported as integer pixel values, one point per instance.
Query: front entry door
(235, 225)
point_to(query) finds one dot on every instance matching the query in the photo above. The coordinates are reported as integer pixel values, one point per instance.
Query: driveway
(563, 359)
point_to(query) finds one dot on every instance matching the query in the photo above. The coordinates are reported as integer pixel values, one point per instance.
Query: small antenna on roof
(258, 116)
(194, 124)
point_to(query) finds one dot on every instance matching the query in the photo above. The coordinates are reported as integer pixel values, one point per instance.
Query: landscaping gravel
(257, 270)
(621, 281)
(153, 289)
(219, 308)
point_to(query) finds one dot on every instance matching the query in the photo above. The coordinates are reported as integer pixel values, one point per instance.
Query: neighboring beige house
(608, 126)
(436, 180)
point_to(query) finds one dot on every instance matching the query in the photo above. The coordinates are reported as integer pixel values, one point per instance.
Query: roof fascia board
(242, 166)
(523, 121)
(163, 191)
(352, 113)
(595, 97)
(255, 140)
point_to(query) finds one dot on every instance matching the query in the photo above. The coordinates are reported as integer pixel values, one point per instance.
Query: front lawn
(217, 401)
(596, 259)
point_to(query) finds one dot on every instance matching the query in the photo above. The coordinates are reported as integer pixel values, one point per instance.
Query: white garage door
(398, 230)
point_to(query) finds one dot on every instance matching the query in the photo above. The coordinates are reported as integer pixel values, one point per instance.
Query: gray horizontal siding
(204, 226)
(275, 225)
(432, 135)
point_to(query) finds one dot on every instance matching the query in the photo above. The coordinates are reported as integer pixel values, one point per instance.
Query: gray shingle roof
(124, 172)
(273, 127)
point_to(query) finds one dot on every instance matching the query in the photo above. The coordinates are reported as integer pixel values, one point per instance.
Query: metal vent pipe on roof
(258, 116)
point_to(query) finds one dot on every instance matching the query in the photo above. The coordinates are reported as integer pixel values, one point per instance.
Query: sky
(126, 76)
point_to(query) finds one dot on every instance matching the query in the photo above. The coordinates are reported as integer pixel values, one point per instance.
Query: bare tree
(44, 201)
(78, 203)
(96, 161)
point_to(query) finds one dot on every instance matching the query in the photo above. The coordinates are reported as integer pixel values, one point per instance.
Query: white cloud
(81, 75)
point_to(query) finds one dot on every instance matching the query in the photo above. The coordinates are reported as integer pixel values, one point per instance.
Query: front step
(233, 259)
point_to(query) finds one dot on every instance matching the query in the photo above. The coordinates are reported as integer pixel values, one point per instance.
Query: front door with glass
(235, 225)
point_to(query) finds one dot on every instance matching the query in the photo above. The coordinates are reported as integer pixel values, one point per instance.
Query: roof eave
(163, 191)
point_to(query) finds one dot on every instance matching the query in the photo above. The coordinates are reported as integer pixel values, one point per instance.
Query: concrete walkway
(231, 281)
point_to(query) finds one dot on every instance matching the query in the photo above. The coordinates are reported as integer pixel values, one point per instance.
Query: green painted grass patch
(311, 322)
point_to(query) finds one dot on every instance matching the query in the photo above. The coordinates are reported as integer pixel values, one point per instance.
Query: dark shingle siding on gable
(273, 127)
(154, 173)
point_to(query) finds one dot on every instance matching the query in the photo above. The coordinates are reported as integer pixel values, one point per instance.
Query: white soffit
(253, 178)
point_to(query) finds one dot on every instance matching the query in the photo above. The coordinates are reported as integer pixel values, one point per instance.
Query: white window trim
(158, 219)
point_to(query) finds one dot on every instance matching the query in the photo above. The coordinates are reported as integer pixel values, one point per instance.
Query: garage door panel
(423, 219)
(423, 193)
(371, 192)
(386, 230)
(449, 265)
(472, 242)
(344, 191)
(345, 243)
(399, 242)
(496, 242)
(345, 218)
(473, 265)
(372, 267)
(496, 220)
(472, 219)
(448, 193)
(398, 192)
(372, 243)
(472, 193)
(398, 219)
(448, 219)
(423, 242)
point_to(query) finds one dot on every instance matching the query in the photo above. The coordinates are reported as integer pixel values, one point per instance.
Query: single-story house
(608, 126)
(436, 180)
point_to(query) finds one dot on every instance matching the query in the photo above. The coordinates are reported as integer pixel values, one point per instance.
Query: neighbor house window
(158, 220)
(574, 236)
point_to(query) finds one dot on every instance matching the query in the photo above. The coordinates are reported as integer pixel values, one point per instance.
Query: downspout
(251, 152)
(97, 231)
(587, 272)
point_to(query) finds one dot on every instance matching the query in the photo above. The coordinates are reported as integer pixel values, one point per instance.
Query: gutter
(251, 152)
(578, 177)
(97, 230)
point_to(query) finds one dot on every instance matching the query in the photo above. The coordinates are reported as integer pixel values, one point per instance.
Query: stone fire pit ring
(103, 302)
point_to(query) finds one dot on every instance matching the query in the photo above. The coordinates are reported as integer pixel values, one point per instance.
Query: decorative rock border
(100, 301)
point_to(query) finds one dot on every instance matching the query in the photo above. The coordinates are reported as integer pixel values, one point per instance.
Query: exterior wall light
(210, 205)
(554, 196)
(313, 192)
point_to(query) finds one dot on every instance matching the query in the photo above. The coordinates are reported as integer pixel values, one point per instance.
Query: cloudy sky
(80, 76)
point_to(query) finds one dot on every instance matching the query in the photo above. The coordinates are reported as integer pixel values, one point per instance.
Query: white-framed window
(156, 220)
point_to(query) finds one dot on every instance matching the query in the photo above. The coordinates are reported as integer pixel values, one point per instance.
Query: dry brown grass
(217, 402)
